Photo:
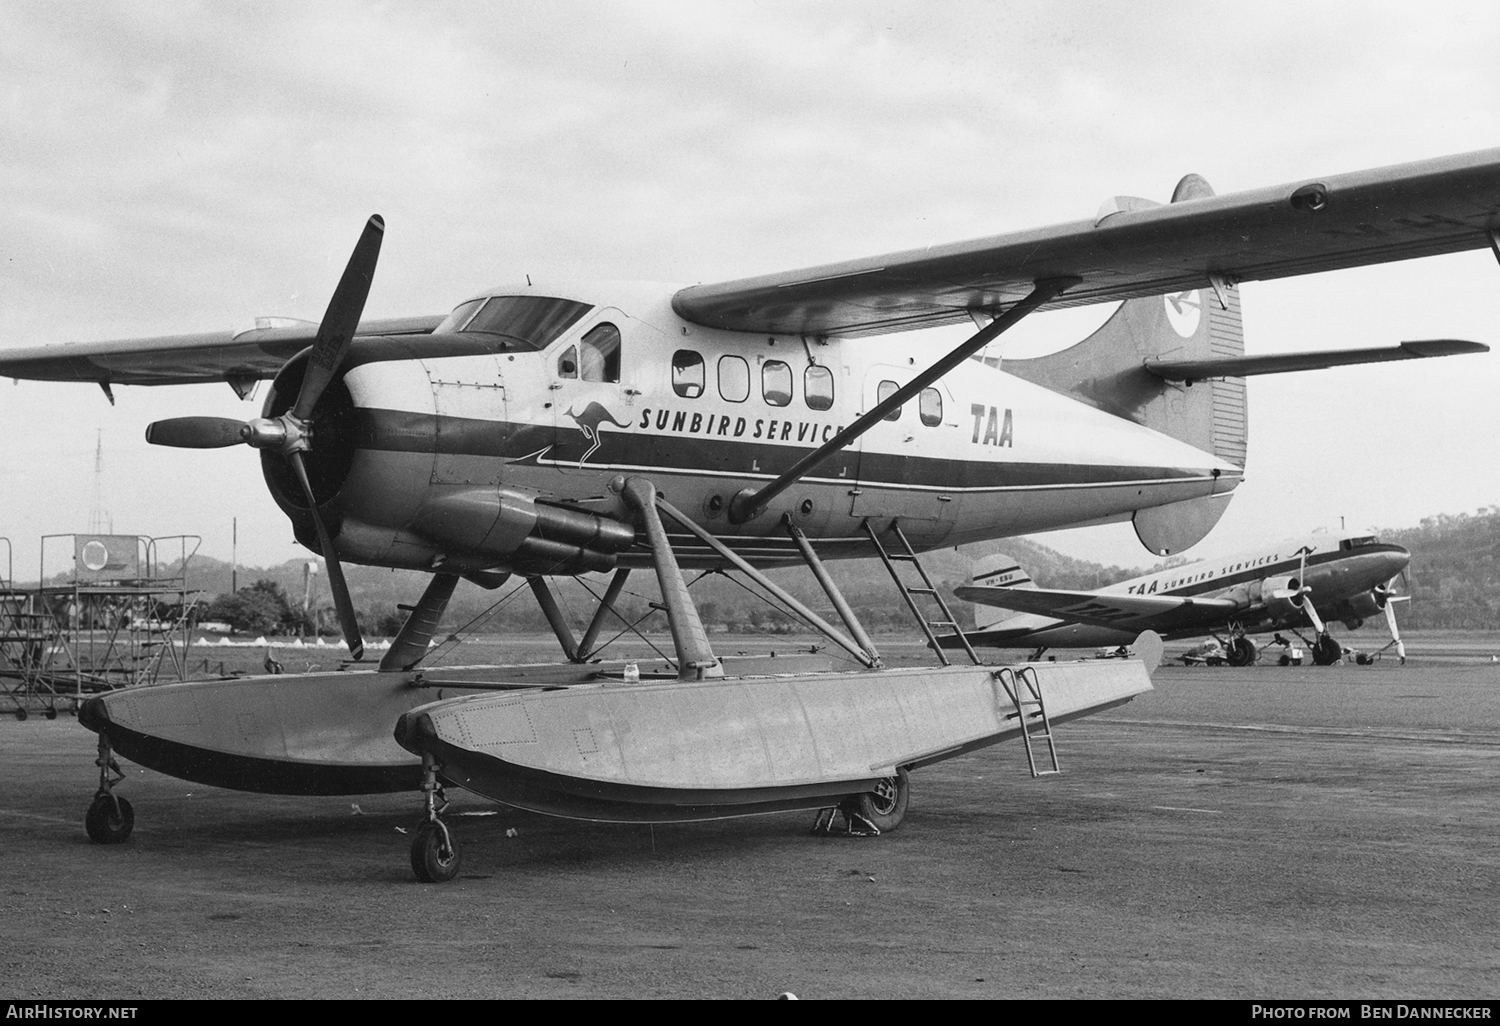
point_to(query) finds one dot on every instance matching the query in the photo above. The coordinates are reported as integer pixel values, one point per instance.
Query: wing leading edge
(186, 359)
(1442, 205)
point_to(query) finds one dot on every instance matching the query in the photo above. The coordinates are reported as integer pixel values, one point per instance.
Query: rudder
(1107, 371)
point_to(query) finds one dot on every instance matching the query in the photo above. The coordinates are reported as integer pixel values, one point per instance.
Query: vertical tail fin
(1106, 371)
(997, 570)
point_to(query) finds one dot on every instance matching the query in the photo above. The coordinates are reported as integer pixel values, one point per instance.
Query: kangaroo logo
(588, 422)
(1183, 311)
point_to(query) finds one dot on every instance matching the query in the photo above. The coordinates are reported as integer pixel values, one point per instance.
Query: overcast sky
(174, 167)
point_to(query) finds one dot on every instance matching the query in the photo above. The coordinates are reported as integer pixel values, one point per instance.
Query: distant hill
(1454, 582)
(1454, 572)
(864, 582)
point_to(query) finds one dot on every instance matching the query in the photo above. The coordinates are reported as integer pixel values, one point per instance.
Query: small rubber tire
(886, 805)
(51, 714)
(21, 713)
(431, 859)
(1241, 651)
(105, 824)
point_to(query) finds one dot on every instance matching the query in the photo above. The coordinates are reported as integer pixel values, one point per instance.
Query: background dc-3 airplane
(1306, 581)
(541, 429)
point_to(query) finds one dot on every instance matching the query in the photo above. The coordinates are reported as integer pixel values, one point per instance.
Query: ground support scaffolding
(120, 617)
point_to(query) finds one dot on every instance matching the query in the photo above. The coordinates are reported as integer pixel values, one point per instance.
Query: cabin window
(734, 378)
(884, 392)
(687, 374)
(522, 322)
(776, 383)
(930, 406)
(599, 353)
(817, 387)
(567, 363)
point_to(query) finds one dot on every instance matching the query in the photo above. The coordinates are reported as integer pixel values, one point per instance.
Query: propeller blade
(196, 432)
(341, 319)
(1312, 614)
(336, 584)
(1390, 621)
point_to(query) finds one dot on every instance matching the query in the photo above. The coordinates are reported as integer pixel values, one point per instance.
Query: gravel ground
(1260, 833)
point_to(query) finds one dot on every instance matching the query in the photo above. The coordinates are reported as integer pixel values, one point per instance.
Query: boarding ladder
(1025, 693)
(905, 554)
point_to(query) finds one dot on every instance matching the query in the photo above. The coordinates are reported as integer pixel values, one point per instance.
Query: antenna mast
(100, 522)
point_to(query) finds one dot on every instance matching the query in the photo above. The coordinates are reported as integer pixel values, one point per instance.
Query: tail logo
(588, 422)
(1184, 309)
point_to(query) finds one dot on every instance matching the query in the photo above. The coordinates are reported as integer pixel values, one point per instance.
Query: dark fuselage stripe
(396, 431)
(1284, 568)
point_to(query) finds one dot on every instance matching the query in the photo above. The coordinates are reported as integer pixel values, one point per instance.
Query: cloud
(184, 167)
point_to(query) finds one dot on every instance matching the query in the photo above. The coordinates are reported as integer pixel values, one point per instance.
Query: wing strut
(749, 503)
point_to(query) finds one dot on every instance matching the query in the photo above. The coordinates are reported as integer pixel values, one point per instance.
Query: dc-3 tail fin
(997, 571)
(1108, 371)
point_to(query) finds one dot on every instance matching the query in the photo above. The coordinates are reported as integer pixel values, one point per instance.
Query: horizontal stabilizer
(1281, 363)
(1105, 609)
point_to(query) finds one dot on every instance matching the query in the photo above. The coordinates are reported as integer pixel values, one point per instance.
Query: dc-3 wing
(1132, 248)
(1128, 612)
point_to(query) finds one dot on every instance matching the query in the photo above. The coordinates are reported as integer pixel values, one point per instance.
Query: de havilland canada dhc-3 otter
(574, 428)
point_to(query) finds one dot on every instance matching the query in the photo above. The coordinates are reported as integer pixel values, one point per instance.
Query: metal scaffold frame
(121, 617)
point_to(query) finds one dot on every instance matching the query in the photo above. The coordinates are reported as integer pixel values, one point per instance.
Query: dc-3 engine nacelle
(1356, 610)
(1283, 596)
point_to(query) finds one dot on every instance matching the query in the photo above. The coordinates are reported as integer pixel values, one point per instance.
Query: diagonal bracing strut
(749, 503)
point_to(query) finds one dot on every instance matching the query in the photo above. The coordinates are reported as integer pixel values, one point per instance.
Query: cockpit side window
(523, 322)
(599, 353)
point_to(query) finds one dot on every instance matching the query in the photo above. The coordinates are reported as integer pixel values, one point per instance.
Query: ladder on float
(1025, 693)
(926, 590)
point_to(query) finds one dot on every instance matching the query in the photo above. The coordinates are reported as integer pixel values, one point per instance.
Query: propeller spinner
(290, 433)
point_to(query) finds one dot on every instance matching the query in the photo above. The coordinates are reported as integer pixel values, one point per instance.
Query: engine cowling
(1283, 596)
(1355, 610)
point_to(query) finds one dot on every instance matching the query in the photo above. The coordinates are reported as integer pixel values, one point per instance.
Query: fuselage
(1344, 573)
(440, 438)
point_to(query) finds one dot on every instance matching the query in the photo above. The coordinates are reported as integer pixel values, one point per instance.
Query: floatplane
(562, 428)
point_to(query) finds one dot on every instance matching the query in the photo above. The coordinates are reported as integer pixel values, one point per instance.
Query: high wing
(1127, 612)
(1132, 248)
(241, 357)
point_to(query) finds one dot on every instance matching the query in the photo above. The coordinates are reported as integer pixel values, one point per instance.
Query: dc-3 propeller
(290, 434)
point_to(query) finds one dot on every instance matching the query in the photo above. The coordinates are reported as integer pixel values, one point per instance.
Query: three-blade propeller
(1299, 596)
(290, 434)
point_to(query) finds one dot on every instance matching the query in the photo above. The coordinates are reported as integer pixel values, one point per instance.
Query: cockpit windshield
(1356, 543)
(525, 322)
